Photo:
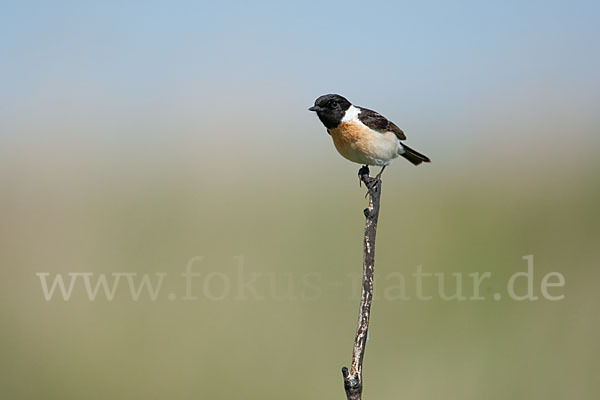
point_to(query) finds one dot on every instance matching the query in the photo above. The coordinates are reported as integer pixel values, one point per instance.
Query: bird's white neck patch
(351, 114)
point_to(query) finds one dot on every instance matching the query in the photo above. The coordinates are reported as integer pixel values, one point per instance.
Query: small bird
(362, 135)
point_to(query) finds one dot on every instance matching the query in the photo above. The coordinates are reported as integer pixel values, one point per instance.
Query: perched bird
(362, 135)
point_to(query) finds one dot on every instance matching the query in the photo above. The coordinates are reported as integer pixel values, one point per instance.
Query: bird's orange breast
(351, 137)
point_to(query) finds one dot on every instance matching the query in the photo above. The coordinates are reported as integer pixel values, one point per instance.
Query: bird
(361, 135)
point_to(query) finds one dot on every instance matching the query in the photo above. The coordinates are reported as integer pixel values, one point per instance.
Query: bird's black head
(331, 109)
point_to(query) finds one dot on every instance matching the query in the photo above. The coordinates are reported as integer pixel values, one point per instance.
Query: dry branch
(353, 383)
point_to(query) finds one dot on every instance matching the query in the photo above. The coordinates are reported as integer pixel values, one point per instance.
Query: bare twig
(353, 379)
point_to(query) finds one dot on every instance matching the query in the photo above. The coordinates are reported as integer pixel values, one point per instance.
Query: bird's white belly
(360, 144)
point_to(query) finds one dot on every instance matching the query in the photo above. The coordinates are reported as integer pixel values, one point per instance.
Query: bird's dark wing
(374, 120)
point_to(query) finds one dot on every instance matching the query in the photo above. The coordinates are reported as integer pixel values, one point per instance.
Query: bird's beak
(314, 108)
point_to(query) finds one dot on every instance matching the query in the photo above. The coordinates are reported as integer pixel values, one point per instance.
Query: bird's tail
(413, 156)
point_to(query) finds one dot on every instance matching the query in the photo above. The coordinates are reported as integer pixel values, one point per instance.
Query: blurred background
(135, 136)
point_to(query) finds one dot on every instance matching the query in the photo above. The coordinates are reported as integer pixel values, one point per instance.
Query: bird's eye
(333, 104)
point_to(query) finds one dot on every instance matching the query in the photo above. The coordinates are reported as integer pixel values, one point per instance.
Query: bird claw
(363, 171)
(372, 185)
(370, 182)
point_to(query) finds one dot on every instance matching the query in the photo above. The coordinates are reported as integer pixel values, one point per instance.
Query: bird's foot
(372, 183)
(363, 172)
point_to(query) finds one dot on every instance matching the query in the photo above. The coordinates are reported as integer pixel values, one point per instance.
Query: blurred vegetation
(68, 213)
(134, 137)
